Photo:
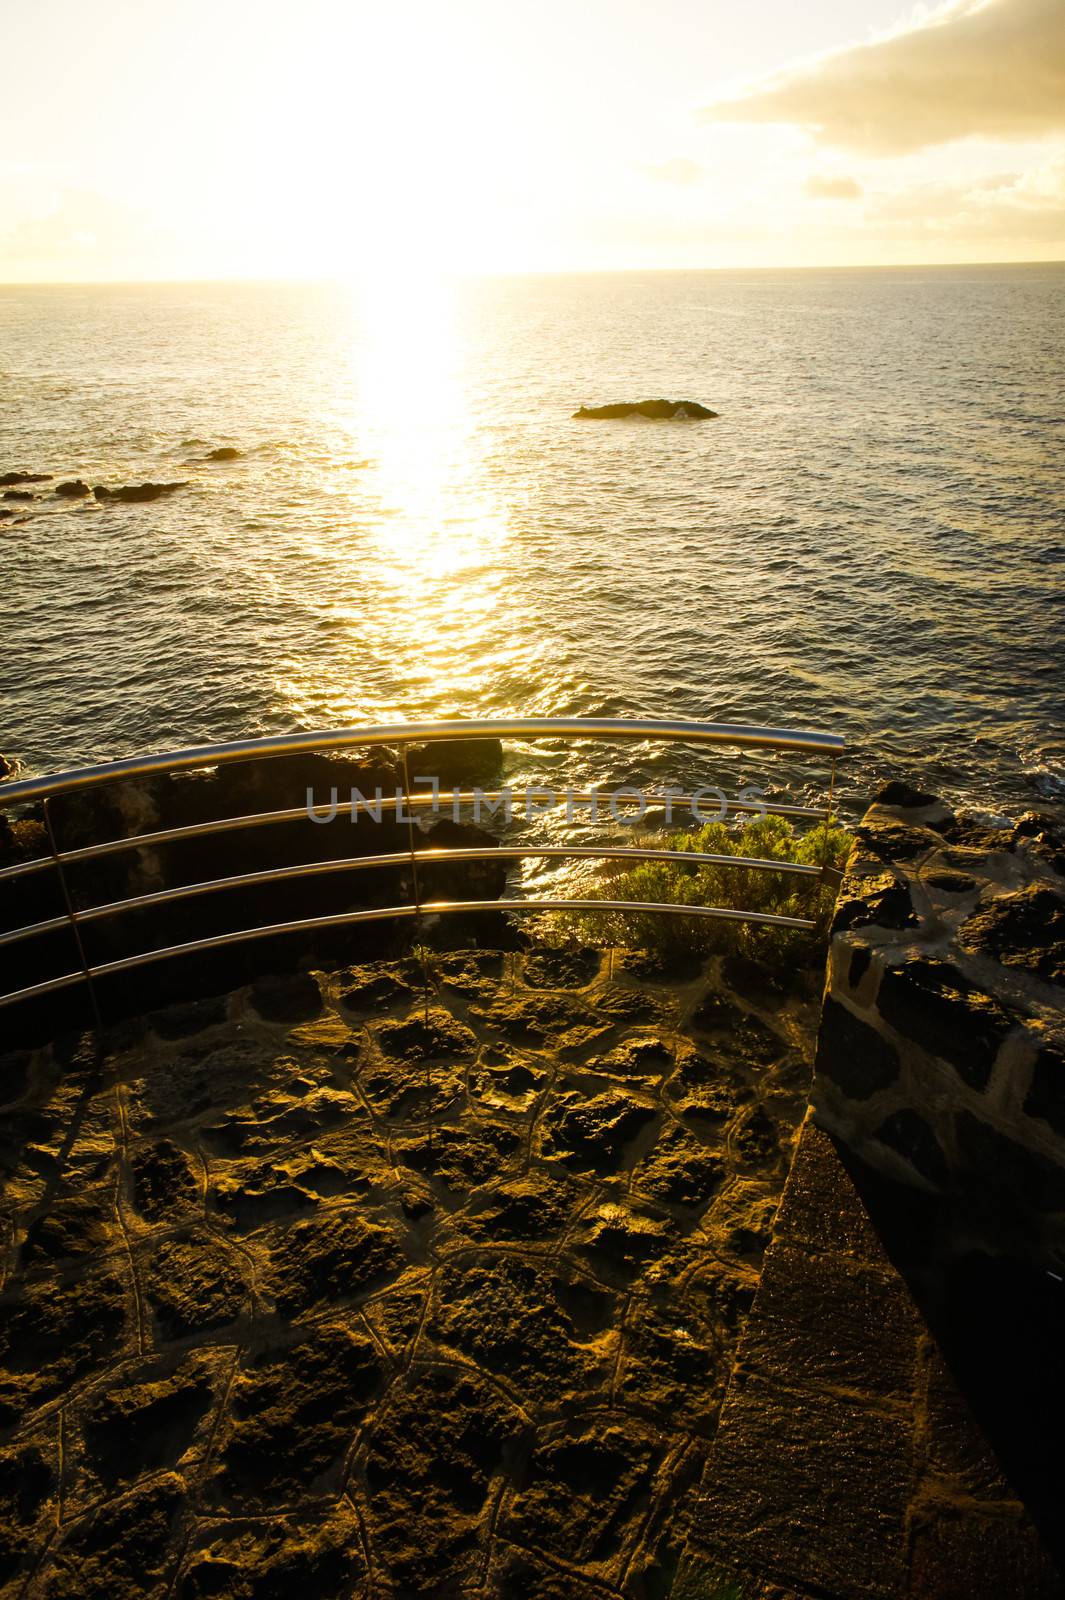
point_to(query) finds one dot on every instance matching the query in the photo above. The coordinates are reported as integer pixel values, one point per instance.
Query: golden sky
(270, 138)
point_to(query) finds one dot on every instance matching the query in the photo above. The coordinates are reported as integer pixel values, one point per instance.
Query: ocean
(869, 539)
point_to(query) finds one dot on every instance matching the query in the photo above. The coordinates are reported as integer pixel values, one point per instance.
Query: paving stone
(125, 1549)
(680, 1169)
(276, 1557)
(594, 1132)
(141, 1427)
(293, 1414)
(164, 1180)
(329, 1259)
(835, 1324)
(514, 1318)
(29, 1483)
(584, 1491)
(965, 1553)
(809, 1487)
(821, 1206)
(432, 1456)
(409, 1320)
(193, 1284)
(560, 969)
(55, 1330)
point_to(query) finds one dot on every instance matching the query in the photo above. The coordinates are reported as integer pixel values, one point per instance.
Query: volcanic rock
(656, 410)
(135, 493)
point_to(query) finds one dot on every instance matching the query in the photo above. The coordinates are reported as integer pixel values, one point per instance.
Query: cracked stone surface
(338, 1287)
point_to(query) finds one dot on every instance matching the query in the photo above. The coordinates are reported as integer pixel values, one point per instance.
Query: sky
(146, 139)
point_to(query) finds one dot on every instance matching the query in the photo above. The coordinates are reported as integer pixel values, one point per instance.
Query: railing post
(831, 877)
(417, 890)
(72, 917)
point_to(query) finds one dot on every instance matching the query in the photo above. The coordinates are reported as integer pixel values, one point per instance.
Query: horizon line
(531, 272)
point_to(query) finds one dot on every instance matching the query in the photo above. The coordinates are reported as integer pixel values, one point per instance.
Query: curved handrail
(403, 858)
(347, 808)
(287, 744)
(427, 908)
(400, 735)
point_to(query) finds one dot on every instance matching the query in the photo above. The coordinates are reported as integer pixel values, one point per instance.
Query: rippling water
(870, 539)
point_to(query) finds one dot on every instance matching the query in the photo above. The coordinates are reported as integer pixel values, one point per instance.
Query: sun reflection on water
(412, 397)
(417, 556)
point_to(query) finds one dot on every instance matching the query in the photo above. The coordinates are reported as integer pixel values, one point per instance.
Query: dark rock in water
(8, 478)
(17, 494)
(7, 768)
(6, 514)
(655, 409)
(464, 762)
(135, 493)
(897, 793)
(226, 452)
(75, 489)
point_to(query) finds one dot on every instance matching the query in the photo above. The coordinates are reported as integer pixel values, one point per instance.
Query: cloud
(85, 235)
(818, 187)
(679, 170)
(1025, 208)
(971, 68)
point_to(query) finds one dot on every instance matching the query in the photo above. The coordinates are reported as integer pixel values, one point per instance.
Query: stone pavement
(321, 1289)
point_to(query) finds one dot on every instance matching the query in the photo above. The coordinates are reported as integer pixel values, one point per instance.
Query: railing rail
(401, 735)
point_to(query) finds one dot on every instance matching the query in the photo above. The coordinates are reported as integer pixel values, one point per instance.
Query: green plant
(711, 884)
(696, 1582)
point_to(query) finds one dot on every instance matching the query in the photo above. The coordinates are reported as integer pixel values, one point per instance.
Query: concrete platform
(849, 1463)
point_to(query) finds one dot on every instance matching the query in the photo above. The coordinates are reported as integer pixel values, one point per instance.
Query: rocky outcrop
(225, 452)
(7, 479)
(74, 489)
(137, 493)
(941, 1056)
(656, 410)
(18, 494)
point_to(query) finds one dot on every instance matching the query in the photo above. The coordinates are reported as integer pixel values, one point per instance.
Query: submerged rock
(654, 409)
(137, 492)
(225, 452)
(18, 494)
(74, 489)
(8, 478)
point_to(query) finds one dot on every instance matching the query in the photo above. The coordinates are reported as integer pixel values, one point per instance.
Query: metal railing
(400, 736)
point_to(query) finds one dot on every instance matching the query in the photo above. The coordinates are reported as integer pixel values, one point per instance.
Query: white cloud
(90, 236)
(821, 187)
(971, 68)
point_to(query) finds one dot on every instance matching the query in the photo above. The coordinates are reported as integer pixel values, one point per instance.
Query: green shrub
(707, 884)
(697, 1582)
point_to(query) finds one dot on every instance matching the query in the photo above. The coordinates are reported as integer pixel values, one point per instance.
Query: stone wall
(941, 1054)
